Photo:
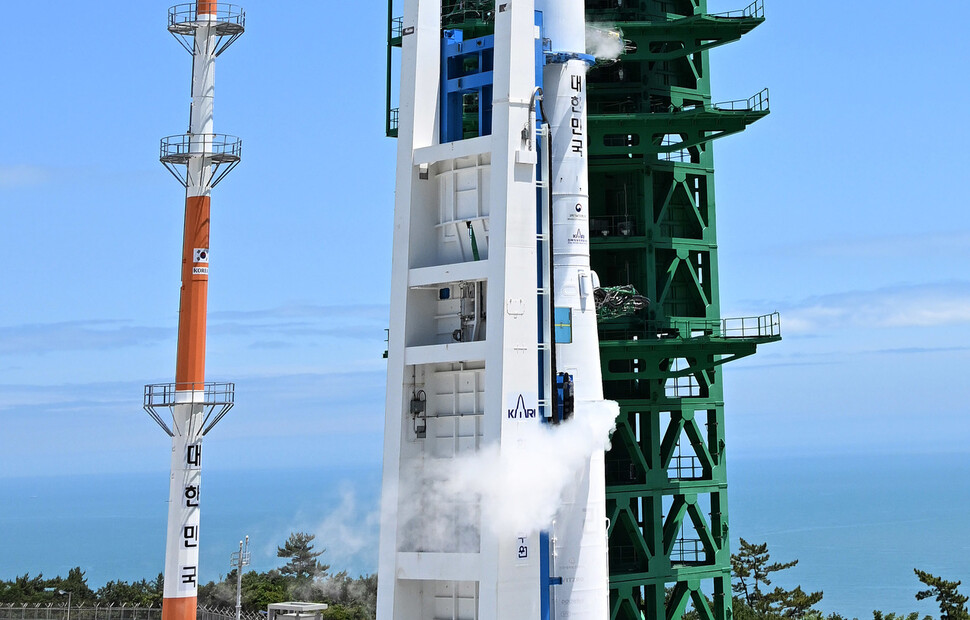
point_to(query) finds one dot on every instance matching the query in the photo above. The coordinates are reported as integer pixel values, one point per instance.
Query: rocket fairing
(195, 406)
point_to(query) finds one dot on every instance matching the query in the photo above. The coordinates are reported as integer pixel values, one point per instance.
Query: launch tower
(199, 159)
(653, 226)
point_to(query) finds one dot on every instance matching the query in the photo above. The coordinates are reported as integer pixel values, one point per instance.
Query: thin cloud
(922, 305)
(43, 338)
(305, 311)
(273, 326)
(12, 177)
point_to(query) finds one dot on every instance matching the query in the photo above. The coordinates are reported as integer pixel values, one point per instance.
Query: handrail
(755, 103)
(735, 328)
(756, 9)
(188, 14)
(184, 145)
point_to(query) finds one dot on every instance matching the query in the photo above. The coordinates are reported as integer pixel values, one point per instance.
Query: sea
(857, 524)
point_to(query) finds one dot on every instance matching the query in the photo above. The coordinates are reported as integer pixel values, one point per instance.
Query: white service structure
(490, 262)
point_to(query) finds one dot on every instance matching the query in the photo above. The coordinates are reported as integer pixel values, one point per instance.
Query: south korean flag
(201, 256)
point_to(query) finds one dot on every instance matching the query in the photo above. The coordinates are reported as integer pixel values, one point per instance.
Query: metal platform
(229, 23)
(223, 151)
(216, 398)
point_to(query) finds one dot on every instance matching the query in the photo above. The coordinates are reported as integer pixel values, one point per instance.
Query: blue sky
(844, 210)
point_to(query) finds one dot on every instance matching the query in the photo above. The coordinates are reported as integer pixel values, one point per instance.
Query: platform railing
(755, 103)
(688, 551)
(188, 14)
(756, 9)
(747, 328)
(685, 467)
(614, 226)
(397, 27)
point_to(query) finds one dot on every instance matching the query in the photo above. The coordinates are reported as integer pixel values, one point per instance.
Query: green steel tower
(652, 205)
(653, 226)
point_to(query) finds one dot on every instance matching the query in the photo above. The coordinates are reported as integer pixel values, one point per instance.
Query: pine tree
(953, 605)
(303, 565)
(752, 569)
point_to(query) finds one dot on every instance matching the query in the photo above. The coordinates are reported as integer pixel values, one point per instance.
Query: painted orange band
(206, 7)
(190, 360)
(179, 608)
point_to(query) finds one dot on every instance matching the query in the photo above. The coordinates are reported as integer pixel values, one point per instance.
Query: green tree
(75, 583)
(303, 565)
(878, 615)
(753, 571)
(953, 605)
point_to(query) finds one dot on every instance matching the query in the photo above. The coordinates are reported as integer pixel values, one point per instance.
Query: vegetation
(304, 577)
(752, 568)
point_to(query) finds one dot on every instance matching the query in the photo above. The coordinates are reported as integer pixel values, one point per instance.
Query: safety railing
(397, 27)
(216, 399)
(752, 327)
(688, 551)
(685, 467)
(755, 9)
(755, 103)
(393, 122)
(187, 14)
(170, 394)
(614, 226)
(765, 326)
(221, 148)
(226, 21)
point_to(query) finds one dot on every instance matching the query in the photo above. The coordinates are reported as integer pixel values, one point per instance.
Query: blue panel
(564, 325)
(466, 68)
(545, 581)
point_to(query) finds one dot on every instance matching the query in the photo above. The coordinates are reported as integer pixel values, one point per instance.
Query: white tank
(580, 530)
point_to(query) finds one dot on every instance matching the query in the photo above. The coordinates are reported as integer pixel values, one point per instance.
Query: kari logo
(578, 238)
(521, 412)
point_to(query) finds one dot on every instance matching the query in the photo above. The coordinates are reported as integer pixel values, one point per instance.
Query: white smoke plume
(512, 491)
(604, 41)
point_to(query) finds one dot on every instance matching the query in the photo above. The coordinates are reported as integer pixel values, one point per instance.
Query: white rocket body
(579, 535)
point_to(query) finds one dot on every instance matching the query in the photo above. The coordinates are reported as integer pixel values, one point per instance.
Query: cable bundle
(616, 301)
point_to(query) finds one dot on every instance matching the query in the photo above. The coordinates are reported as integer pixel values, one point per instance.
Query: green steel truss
(653, 225)
(652, 122)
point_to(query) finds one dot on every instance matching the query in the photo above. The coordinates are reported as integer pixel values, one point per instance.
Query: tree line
(304, 578)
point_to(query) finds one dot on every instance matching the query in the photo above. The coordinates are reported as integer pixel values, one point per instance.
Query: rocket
(578, 536)
(199, 159)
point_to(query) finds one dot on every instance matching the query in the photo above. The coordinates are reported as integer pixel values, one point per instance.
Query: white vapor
(349, 532)
(604, 41)
(510, 490)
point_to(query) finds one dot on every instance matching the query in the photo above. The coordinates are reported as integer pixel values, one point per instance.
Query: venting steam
(604, 41)
(514, 491)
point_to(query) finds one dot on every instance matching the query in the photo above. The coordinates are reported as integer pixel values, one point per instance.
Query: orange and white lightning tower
(199, 159)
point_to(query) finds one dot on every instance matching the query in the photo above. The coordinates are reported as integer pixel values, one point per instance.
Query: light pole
(237, 560)
(68, 602)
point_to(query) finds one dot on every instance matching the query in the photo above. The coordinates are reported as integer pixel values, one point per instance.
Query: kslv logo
(521, 412)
